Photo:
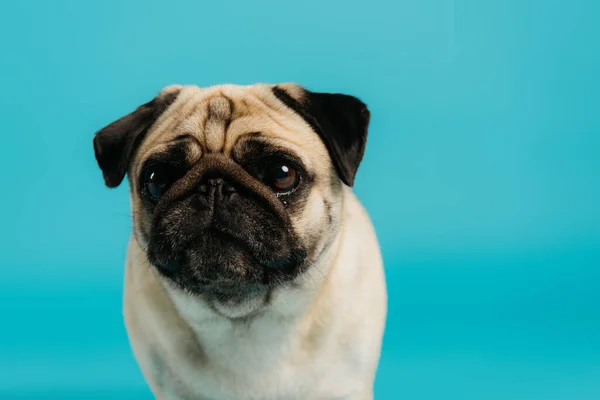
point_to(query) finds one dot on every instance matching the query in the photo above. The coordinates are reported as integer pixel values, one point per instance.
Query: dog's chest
(264, 361)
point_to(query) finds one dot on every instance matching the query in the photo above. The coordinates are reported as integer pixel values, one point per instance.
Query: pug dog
(253, 272)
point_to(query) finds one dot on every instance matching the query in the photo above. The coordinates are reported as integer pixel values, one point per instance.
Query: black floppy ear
(340, 120)
(115, 144)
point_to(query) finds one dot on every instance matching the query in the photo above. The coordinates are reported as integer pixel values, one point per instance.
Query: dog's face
(234, 189)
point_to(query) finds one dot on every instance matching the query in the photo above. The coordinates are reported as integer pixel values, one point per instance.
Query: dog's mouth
(223, 268)
(228, 291)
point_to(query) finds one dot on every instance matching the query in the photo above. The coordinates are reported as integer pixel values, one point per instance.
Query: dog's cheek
(142, 223)
(312, 223)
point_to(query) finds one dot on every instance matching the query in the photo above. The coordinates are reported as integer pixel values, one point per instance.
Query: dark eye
(281, 177)
(157, 179)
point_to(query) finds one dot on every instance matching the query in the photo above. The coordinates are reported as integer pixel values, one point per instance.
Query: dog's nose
(215, 186)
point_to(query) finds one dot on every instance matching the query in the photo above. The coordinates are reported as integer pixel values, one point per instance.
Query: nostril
(228, 188)
(212, 184)
(203, 188)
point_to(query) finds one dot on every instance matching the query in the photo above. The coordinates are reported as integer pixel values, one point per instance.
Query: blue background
(482, 176)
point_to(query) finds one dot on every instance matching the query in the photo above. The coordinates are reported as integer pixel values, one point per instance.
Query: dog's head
(235, 189)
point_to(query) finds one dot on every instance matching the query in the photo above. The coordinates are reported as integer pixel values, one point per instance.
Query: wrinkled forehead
(219, 118)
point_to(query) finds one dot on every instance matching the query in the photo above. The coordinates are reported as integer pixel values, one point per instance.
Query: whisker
(124, 215)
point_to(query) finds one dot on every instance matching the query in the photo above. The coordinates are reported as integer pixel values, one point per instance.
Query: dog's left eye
(158, 178)
(282, 177)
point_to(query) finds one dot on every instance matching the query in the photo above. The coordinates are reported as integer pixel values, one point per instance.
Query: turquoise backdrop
(482, 176)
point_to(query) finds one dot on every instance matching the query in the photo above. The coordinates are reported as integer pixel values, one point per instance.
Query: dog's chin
(227, 275)
(232, 301)
(233, 308)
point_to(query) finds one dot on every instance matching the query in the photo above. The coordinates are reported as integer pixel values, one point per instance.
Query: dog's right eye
(157, 179)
